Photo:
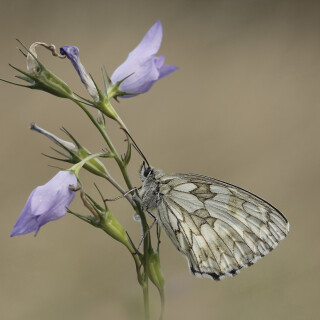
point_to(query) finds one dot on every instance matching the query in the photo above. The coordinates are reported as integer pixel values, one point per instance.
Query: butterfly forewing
(219, 227)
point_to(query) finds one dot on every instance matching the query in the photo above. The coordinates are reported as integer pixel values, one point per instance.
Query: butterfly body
(219, 227)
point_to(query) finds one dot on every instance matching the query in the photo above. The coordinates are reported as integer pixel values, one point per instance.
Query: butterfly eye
(147, 171)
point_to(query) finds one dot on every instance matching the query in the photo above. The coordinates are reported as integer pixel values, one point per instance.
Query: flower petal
(166, 70)
(141, 80)
(72, 54)
(46, 203)
(150, 44)
(159, 61)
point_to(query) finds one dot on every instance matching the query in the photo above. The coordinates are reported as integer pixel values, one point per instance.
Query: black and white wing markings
(220, 228)
(195, 237)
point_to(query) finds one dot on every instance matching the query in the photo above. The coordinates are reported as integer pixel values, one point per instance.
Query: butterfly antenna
(136, 146)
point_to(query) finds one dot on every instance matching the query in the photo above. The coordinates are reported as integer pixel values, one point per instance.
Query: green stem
(109, 143)
(146, 301)
(145, 227)
(118, 187)
(121, 166)
(110, 112)
(162, 305)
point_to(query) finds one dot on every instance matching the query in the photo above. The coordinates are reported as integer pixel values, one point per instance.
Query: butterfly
(219, 227)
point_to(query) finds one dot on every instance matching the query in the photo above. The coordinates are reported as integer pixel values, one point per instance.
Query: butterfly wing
(219, 227)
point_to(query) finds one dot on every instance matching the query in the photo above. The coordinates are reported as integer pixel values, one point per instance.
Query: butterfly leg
(158, 227)
(158, 235)
(150, 227)
(130, 240)
(123, 195)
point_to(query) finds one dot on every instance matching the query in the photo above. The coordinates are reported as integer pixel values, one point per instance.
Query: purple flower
(142, 66)
(72, 54)
(46, 203)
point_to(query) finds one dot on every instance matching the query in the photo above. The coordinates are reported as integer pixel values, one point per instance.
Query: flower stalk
(145, 227)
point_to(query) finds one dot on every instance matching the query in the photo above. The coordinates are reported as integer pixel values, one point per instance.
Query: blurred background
(243, 108)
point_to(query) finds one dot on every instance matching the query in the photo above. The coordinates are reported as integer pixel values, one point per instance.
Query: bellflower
(142, 68)
(72, 54)
(46, 203)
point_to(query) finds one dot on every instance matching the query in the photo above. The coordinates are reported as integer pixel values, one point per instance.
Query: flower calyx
(38, 76)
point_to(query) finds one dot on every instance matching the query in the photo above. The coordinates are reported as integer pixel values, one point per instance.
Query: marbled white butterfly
(219, 227)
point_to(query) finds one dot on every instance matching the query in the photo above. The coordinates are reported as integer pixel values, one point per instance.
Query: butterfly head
(145, 171)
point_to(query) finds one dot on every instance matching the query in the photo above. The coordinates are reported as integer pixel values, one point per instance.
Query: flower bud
(155, 272)
(62, 143)
(72, 53)
(114, 229)
(76, 152)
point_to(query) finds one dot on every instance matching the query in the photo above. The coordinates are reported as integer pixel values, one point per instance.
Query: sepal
(113, 90)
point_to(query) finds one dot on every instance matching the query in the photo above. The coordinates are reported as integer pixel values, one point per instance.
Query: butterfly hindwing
(219, 227)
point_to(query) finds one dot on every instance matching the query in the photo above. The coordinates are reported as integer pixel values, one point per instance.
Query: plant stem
(118, 187)
(162, 305)
(136, 205)
(146, 301)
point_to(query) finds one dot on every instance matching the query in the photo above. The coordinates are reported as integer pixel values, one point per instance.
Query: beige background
(244, 108)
